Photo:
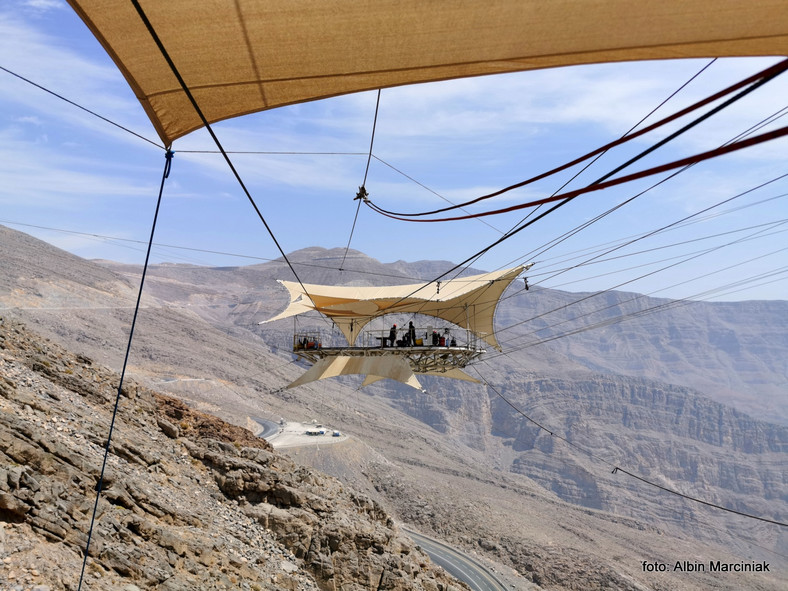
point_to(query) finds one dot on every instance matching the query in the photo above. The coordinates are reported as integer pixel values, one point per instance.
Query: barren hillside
(459, 461)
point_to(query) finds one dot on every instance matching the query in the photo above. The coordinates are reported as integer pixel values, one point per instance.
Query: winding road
(459, 565)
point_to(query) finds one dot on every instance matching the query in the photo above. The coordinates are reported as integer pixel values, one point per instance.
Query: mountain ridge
(459, 437)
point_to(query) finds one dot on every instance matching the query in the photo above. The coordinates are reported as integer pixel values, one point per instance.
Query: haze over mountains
(692, 397)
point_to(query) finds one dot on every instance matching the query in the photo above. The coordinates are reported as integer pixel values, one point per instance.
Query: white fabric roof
(468, 302)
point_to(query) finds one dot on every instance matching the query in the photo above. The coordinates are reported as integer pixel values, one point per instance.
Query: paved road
(459, 565)
(269, 427)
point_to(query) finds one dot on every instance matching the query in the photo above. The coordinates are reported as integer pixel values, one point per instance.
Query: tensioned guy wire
(168, 163)
(209, 129)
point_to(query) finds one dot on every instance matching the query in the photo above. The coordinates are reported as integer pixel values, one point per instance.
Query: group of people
(409, 338)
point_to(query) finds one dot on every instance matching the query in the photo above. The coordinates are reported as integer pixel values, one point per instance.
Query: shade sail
(243, 56)
(468, 302)
(394, 368)
(374, 369)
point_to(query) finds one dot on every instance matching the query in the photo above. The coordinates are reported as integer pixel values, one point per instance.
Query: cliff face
(732, 352)
(189, 502)
(669, 435)
(659, 431)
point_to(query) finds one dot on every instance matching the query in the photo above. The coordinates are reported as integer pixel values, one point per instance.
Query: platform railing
(425, 337)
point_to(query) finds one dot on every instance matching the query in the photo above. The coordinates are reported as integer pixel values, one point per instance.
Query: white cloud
(45, 5)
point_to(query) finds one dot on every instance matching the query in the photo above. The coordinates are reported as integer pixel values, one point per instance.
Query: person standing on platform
(411, 334)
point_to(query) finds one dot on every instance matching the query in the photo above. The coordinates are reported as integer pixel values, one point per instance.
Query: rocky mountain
(188, 501)
(732, 352)
(466, 462)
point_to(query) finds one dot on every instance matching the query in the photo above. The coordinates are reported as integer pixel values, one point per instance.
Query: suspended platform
(424, 359)
(463, 307)
(402, 362)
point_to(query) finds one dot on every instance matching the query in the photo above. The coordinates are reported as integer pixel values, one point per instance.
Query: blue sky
(62, 168)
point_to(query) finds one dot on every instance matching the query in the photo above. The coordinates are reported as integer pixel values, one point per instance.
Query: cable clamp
(362, 194)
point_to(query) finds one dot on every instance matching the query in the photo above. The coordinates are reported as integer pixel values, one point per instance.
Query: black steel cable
(208, 127)
(630, 130)
(167, 166)
(760, 78)
(599, 153)
(362, 190)
(70, 102)
(754, 82)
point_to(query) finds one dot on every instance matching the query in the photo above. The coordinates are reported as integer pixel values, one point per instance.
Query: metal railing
(426, 337)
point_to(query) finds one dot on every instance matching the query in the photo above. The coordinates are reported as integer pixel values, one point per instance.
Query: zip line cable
(629, 131)
(675, 303)
(682, 222)
(617, 468)
(695, 255)
(596, 294)
(601, 183)
(553, 243)
(761, 79)
(654, 249)
(642, 312)
(754, 82)
(362, 190)
(105, 119)
(570, 256)
(672, 224)
(774, 117)
(640, 297)
(602, 153)
(99, 485)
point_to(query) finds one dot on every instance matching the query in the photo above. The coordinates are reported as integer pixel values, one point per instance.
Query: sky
(84, 185)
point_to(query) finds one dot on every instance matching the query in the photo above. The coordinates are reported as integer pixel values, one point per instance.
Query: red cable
(770, 71)
(783, 131)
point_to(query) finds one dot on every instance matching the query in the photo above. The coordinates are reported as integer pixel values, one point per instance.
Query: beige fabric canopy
(468, 302)
(373, 369)
(243, 56)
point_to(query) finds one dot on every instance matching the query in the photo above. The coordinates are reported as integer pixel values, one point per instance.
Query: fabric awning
(468, 302)
(244, 56)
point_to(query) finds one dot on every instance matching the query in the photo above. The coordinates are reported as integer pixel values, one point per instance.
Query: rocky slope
(456, 461)
(188, 501)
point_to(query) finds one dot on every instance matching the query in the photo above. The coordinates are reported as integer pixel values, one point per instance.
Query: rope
(362, 190)
(630, 130)
(761, 79)
(167, 165)
(601, 184)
